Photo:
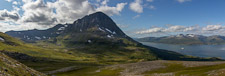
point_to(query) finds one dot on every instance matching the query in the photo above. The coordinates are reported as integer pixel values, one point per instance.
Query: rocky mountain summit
(98, 24)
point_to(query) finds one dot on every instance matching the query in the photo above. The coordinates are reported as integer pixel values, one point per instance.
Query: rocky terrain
(11, 67)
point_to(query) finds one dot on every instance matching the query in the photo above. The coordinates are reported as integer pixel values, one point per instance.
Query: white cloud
(41, 15)
(175, 28)
(112, 10)
(9, 15)
(191, 28)
(151, 30)
(15, 3)
(136, 6)
(38, 12)
(213, 27)
(182, 1)
(169, 29)
(180, 29)
(137, 16)
(104, 2)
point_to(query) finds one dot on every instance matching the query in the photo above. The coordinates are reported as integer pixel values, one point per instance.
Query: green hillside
(10, 67)
(11, 44)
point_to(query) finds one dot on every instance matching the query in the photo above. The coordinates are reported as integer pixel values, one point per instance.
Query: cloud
(137, 16)
(175, 28)
(42, 14)
(151, 30)
(7, 26)
(191, 28)
(136, 6)
(180, 29)
(38, 12)
(112, 10)
(104, 2)
(9, 15)
(169, 29)
(213, 28)
(182, 1)
(15, 3)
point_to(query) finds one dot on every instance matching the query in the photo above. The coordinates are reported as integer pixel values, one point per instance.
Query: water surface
(194, 50)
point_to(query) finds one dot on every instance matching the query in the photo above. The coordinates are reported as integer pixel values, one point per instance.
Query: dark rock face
(98, 23)
(100, 20)
(19, 56)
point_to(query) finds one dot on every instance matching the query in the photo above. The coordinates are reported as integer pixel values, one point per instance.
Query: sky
(137, 18)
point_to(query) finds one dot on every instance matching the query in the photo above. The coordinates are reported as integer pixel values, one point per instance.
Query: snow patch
(61, 28)
(101, 29)
(89, 41)
(57, 32)
(108, 30)
(39, 38)
(114, 32)
(65, 25)
(1, 39)
(109, 36)
(44, 37)
(180, 35)
(191, 35)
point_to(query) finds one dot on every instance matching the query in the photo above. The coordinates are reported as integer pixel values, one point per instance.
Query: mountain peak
(97, 20)
(96, 16)
(96, 24)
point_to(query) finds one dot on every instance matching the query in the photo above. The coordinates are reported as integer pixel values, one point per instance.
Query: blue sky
(148, 18)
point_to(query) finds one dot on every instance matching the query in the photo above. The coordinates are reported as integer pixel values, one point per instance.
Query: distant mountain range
(97, 38)
(187, 39)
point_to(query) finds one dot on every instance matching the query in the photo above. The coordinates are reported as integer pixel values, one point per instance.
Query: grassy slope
(178, 69)
(10, 67)
(14, 45)
(153, 68)
(87, 57)
(62, 56)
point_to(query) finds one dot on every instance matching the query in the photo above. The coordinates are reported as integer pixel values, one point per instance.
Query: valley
(153, 68)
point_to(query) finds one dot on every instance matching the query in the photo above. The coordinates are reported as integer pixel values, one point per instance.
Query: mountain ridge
(98, 21)
(187, 39)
